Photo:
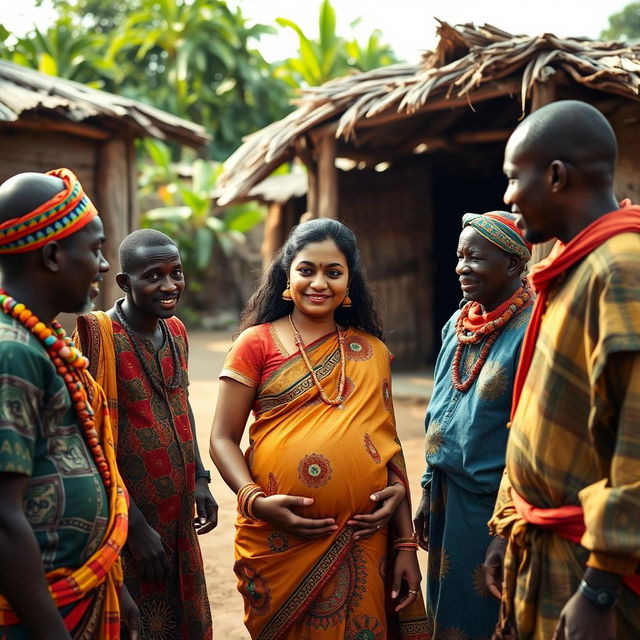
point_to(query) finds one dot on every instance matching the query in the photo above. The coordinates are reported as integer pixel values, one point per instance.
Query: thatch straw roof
(468, 64)
(25, 92)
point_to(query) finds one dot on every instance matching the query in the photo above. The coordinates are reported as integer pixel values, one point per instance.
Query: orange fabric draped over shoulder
(92, 588)
(334, 586)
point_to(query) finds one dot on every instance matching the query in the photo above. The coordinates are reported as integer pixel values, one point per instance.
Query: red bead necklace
(339, 399)
(491, 330)
(71, 366)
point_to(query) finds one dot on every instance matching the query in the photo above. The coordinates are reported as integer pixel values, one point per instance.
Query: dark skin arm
(206, 506)
(494, 565)
(145, 545)
(581, 618)
(22, 579)
(406, 567)
(129, 613)
(422, 518)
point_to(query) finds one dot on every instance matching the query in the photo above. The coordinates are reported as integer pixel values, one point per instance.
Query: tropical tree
(64, 49)
(208, 236)
(197, 61)
(194, 58)
(331, 56)
(624, 25)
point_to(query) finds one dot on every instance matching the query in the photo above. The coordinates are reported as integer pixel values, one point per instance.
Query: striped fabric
(575, 440)
(66, 213)
(87, 596)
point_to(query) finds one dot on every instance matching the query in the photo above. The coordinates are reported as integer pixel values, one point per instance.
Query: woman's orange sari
(331, 587)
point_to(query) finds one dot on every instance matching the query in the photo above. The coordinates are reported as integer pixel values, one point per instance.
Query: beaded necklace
(339, 399)
(157, 382)
(71, 366)
(491, 330)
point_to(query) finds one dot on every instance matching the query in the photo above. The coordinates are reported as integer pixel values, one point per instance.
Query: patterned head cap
(500, 228)
(67, 212)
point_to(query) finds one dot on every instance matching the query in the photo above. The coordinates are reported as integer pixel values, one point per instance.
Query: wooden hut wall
(391, 214)
(105, 167)
(626, 124)
(26, 150)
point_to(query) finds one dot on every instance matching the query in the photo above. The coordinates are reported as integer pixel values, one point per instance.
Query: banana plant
(207, 235)
(331, 56)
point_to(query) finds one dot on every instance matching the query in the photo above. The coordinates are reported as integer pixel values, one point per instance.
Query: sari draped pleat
(332, 586)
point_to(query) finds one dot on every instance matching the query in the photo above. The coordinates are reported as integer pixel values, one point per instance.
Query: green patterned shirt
(65, 503)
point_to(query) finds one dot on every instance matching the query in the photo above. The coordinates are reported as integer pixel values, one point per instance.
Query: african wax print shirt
(467, 432)
(65, 502)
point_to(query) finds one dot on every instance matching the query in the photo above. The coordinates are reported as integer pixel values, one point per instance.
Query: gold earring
(286, 294)
(346, 303)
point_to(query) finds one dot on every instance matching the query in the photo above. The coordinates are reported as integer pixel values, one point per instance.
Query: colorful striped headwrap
(66, 213)
(500, 228)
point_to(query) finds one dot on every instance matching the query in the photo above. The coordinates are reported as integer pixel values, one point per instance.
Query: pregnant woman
(325, 547)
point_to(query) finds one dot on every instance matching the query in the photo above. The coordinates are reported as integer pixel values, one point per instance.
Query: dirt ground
(207, 351)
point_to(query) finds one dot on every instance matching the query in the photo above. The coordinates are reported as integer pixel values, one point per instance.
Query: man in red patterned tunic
(138, 351)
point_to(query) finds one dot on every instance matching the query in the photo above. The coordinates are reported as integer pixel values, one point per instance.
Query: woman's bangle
(247, 495)
(412, 539)
(406, 546)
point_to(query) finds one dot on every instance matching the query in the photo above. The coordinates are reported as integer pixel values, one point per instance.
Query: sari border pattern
(301, 599)
(302, 386)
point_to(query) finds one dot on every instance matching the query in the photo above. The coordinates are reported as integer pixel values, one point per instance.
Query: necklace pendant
(341, 406)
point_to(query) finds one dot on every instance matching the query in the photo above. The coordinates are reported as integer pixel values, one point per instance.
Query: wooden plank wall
(106, 169)
(626, 124)
(23, 150)
(391, 213)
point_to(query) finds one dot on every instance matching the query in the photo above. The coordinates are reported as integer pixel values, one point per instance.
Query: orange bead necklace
(491, 330)
(339, 399)
(71, 365)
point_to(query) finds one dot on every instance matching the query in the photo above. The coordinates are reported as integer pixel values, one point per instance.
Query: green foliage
(206, 235)
(62, 50)
(194, 58)
(331, 56)
(624, 25)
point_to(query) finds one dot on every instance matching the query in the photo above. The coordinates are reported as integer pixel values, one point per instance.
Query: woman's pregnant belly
(339, 473)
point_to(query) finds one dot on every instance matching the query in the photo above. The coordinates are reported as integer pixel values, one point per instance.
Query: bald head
(570, 131)
(24, 192)
(132, 248)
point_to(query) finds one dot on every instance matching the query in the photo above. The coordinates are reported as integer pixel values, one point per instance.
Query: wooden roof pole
(542, 93)
(301, 146)
(327, 177)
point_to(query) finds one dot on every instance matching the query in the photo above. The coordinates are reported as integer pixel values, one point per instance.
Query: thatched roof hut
(48, 122)
(426, 144)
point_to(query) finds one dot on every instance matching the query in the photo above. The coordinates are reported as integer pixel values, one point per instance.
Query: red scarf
(477, 317)
(563, 257)
(567, 521)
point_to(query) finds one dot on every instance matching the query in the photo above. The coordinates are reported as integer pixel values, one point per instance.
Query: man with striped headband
(466, 422)
(63, 512)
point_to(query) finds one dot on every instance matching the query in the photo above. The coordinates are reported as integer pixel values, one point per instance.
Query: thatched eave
(470, 64)
(30, 96)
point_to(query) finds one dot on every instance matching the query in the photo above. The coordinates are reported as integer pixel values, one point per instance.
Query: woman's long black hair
(267, 305)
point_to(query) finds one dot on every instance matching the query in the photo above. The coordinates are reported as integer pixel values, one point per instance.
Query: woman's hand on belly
(277, 511)
(388, 500)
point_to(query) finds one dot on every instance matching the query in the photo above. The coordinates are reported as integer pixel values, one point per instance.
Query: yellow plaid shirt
(575, 439)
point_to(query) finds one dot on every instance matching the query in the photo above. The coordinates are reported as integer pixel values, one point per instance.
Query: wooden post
(327, 178)
(132, 167)
(271, 237)
(113, 189)
(543, 93)
(312, 190)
